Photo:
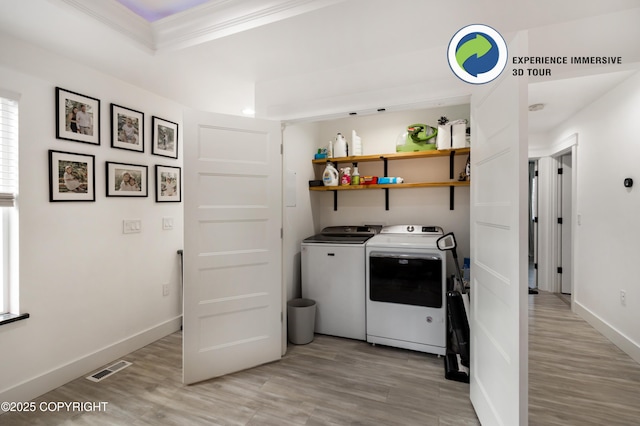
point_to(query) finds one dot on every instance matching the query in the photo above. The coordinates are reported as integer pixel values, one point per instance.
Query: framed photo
(77, 117)
(127, 128)
(168, 184)
(71, 176)
(126, 180)
(164, 138)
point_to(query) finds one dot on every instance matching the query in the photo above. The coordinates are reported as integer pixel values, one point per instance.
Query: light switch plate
(167, 223)
(131, 226)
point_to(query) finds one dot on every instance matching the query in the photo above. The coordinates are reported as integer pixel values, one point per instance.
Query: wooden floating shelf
(391, 186)
(394, 156)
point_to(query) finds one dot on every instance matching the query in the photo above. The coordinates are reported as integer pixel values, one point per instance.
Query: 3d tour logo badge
(477, 54)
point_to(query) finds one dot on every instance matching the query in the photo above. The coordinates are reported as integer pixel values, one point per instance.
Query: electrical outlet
(165, 289)
(623, 298)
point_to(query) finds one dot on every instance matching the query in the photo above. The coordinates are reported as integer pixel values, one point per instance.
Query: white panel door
(499, 190)
(565, 228)
(233, 245)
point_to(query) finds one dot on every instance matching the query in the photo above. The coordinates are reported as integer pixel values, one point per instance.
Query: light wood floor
(577, 377)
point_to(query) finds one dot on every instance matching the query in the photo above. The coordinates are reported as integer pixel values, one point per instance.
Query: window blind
(8, 152)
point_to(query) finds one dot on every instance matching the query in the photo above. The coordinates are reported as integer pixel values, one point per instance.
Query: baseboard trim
(617, 338)
(82, 366)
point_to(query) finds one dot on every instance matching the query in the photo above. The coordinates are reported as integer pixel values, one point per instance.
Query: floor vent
(108, 371)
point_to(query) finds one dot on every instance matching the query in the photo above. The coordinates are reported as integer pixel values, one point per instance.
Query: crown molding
(209, 21)
(221, 18)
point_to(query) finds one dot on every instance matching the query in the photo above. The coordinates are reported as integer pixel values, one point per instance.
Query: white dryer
(333, 275)
(406, 289)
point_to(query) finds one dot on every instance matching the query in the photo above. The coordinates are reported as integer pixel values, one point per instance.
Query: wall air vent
(108, 371)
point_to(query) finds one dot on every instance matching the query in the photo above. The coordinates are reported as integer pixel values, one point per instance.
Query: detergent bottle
(340, 146)
(330, 176)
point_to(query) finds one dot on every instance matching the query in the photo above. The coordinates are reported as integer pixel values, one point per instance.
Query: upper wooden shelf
(394, 156)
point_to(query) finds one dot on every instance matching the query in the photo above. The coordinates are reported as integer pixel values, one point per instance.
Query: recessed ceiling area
(153, 10)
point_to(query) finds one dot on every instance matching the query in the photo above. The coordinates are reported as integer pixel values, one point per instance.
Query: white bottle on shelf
(340, 147)
(356, 144)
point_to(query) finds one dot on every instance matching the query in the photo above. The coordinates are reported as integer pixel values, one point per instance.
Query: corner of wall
(45, 382)
(618, 338)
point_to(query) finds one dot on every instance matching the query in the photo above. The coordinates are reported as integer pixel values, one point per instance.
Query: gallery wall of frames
(72, 173)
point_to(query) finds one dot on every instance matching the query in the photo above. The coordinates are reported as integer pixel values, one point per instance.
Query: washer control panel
(412, 229)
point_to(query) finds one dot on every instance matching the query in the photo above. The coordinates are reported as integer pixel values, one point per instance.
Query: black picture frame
(68, 107)
(164, 137)
(71, 176)
(168, 184)
(127, 128)
(136, 184)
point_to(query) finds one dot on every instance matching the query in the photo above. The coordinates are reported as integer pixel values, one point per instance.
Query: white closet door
(499, 188)
(233, 245)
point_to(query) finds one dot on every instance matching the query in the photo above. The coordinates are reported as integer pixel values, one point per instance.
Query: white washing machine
(333, 274)
(406, 289)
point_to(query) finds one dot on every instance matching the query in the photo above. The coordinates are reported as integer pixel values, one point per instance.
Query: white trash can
(301, 320)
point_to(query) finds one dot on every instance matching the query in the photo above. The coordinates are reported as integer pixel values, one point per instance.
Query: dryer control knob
(410, 228)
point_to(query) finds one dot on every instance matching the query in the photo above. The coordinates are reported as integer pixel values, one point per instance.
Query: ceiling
(295, 59)
(153, 10)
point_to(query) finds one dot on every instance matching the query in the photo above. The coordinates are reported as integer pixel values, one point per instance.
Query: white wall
(300, 221)
(424, 206)
(93, 293)
(606, 240)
